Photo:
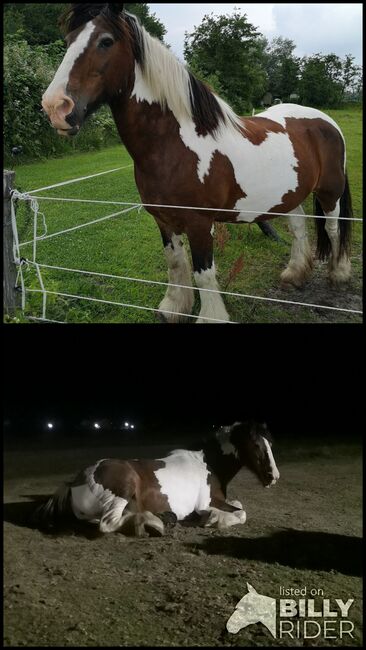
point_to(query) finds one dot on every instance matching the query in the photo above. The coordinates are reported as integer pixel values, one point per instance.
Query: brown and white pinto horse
(190, 149)
(139, 494)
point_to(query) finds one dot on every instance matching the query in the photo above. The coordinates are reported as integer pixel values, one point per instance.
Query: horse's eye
(105, 43)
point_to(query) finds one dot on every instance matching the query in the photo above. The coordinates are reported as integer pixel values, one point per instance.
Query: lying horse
(190, 150)
(117, 494)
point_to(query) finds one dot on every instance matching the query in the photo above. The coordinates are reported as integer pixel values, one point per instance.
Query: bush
(28, 70)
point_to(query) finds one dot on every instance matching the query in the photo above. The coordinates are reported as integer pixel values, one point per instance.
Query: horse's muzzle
(69, 132)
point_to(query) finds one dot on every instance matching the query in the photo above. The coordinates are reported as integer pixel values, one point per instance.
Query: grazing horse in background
(139, 493)
(190, 149)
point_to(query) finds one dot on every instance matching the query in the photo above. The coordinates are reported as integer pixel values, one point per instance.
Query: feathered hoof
(171, 318)
(340, 275)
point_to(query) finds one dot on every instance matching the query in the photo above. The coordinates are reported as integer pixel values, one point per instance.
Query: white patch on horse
(226, 445)
(281, 112)
(264, 172)
(183, 481)
(212, 304)
(223, 438)
(91, 500)
(274, 470)
(61, 78)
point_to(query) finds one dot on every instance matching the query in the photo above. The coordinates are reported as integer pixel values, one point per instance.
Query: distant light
(49, 425)
(126, 424)
(132, 426)
(96, 425)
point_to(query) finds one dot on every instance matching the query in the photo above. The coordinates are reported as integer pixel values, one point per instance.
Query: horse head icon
(253, 608)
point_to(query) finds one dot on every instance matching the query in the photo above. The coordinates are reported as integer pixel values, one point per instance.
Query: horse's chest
(185, 484)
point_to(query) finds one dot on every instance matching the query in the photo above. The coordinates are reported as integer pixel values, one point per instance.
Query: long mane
(167, 79)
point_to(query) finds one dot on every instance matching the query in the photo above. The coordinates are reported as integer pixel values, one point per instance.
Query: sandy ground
(78, 588)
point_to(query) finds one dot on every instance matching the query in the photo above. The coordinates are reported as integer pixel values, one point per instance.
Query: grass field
(78, 589)
(130, 245)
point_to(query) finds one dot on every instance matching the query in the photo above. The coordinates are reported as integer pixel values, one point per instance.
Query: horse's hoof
(152, 531)
(168, 518)
(289, 286)
(161, 318)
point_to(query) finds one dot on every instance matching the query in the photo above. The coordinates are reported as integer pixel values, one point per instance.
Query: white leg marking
(301, 262)
(212, 304)
(235, 504)
(177, 300)
(274, 470)
(220, 519)
(114, 518)
(339, 270)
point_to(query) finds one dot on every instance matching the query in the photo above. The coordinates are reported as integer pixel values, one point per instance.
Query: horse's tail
(345, 225)
(324, 247)
(57, 506)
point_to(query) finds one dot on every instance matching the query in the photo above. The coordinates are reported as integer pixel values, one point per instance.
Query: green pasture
(130, 245)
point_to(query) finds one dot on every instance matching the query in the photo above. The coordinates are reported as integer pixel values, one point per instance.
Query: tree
(37, 23)
(321, 83)
(228, 49)
(151, 23)
(351, 77)
(282, 67)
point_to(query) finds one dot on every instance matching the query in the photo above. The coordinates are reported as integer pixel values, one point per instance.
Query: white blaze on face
(184, 482)
(56, 91)
(274, 470)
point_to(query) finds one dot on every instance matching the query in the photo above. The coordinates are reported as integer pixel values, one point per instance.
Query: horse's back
(282, 112)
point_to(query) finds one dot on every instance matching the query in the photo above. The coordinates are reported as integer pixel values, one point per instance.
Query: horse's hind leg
(177, 300)
(115, 516)
(143, 524)
(339, 267)
(300, 265)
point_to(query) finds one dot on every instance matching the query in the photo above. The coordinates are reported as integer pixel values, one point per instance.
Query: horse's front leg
(176, 300)
(200, 234)
(221, 514)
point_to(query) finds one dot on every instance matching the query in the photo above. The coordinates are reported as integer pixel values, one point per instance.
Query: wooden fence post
(11, 301)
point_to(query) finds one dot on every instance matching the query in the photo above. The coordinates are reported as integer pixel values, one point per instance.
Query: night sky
(299, 379)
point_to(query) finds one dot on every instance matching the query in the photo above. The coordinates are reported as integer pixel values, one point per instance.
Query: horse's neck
(144, 128)
(224, 466)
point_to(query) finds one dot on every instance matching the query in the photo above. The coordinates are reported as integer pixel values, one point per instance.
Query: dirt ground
(81, 589)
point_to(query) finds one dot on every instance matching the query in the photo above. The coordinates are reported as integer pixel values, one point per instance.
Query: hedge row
(28, 70)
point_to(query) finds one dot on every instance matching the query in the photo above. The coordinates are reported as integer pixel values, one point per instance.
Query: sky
(315, 28)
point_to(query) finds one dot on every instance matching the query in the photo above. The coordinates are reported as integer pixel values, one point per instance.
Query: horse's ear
(250, 588)
(116, 7)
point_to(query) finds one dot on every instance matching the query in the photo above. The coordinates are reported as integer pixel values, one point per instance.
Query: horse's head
(252, 444)
(98, 64)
